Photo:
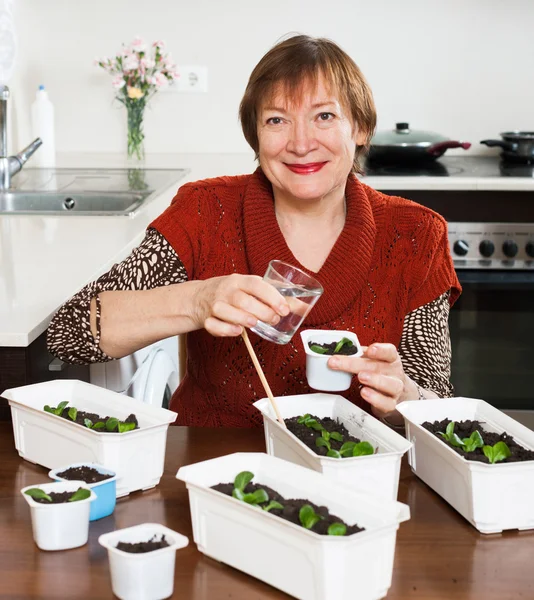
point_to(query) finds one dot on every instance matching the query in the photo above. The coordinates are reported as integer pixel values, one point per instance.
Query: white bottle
(42, 118)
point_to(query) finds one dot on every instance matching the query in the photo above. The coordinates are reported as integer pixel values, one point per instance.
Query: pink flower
(160, 79)
(159, 44)
(138, 45)
(118, 82)
(131, 63)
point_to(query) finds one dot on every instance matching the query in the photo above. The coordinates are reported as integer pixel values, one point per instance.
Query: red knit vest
(391, 258)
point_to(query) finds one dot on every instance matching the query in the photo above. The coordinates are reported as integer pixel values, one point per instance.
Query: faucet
(11, 165)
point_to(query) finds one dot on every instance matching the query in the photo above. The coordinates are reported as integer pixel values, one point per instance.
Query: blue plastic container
(106, 491)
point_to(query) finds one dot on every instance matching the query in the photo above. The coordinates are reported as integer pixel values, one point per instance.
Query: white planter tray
(49, 440)
(377, 474)
(63, 525)
(301, 563)
(147, 575)
(491, 497)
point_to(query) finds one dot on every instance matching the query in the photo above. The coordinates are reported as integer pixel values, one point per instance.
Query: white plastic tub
(376, 474)
(63, 525)
(147, 575)
(301, 563)
(319, 375)
(45, 439)
(491, 497)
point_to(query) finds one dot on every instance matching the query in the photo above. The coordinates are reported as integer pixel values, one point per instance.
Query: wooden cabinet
(22, 366)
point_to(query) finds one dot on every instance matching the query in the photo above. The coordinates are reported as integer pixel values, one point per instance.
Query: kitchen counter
(44, 260)
(438, 554)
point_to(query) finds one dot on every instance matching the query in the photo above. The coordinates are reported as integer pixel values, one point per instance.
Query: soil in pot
(56, 497)
(347, 349)
(140, 547)
(464, 429)
(309, 435)
(83, 473)
(291, 508)
(92, 420)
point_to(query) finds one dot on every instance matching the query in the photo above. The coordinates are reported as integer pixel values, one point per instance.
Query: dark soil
(345, 350)
(291, 509)
(87, 474)
(465, 428)
(57, 497)
(139, 547)
(307, 435)
(95, 419)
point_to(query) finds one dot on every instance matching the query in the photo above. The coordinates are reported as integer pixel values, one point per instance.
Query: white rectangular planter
(147, 575)
(376, 474)
(302, 563)
(63, 525)
(491, 497)
(49, 440)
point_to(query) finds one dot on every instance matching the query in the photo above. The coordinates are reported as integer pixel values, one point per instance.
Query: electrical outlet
(192, 79)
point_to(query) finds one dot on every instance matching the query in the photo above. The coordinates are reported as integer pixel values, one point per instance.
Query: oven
(491, 235)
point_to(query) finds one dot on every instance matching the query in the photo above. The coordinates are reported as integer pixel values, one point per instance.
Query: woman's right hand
(224, 305)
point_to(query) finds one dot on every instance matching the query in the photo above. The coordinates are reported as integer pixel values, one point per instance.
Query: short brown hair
(297, 61)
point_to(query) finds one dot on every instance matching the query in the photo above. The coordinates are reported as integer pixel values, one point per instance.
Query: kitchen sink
(82, 192)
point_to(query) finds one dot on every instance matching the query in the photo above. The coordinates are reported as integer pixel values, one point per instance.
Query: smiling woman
(383, 261)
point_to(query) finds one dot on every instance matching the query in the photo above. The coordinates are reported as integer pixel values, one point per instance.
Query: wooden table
(438, 554)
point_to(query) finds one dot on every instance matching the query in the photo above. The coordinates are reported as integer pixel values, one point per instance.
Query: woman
(384, 262)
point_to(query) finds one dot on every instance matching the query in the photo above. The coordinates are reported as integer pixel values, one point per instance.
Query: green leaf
(73, 413)
(496, 453)
(325, 435)
(473, 442)
(49, 409)
(450, 436)
(237, 493)
(243, 479)
(308, 517)
(304, 418)
(334, 435)
(314, 425)
(272, 504)
(456, 441)
(343, 342)
(346, 449)
(112, 423)
(318, 349)
(256, 497)
(450, 430)
(337, 529)
(88, 423)
(321, 442)
(80, 494)
(362, 449)
(333, 454)
(124, 427)
(38, 494)
(99, 425)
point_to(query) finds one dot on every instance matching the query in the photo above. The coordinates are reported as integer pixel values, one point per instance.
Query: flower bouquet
(139, 72)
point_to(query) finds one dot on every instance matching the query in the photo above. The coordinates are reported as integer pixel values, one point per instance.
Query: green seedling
(324, 441)
(337, 529)
(90, 425)
(124, 427)
(322, 350)
(308, 517)
(450, 436)
(80, 494)
(272, 504)
(496, 453)
(473, 442)
(310, 422)
(356, 449)
(240, 483)
(56, 410)
(38, 494)
(73, 413)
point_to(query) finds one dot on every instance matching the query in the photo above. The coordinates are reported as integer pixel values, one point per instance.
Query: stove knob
(460, 247)
(487, 248)
(510, 248)
(530, 249)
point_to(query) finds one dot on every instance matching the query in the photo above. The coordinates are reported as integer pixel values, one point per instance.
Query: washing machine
(150, 375)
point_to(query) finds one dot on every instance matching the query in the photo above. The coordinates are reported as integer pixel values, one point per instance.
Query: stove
(488, 204)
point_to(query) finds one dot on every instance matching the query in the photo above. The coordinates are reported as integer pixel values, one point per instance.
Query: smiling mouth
(305, 169)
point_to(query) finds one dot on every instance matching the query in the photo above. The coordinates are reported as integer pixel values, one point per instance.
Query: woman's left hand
(379, 371)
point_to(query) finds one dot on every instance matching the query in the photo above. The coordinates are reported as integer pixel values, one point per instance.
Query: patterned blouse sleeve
(154, 263)
(425, 347)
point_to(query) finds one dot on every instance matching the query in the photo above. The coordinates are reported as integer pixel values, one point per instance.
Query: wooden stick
(261, 374)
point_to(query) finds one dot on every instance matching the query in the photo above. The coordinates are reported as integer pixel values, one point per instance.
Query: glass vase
(136, 138)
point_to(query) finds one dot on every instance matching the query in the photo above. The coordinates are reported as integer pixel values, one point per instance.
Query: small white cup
(319, 375)
(146, 575)
(60, 526)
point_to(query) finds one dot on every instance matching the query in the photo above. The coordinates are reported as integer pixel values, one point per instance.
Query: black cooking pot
(403, 145)
(516, 145)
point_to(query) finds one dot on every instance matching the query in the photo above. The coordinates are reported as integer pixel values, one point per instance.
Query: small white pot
(491, 497)
(60, 526)
(144, 576)
(300, 562)
(320, 376)
(376, 474)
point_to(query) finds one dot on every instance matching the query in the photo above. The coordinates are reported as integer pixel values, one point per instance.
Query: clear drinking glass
(301, 292)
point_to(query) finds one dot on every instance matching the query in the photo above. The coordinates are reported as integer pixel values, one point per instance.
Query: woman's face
(306, 147)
